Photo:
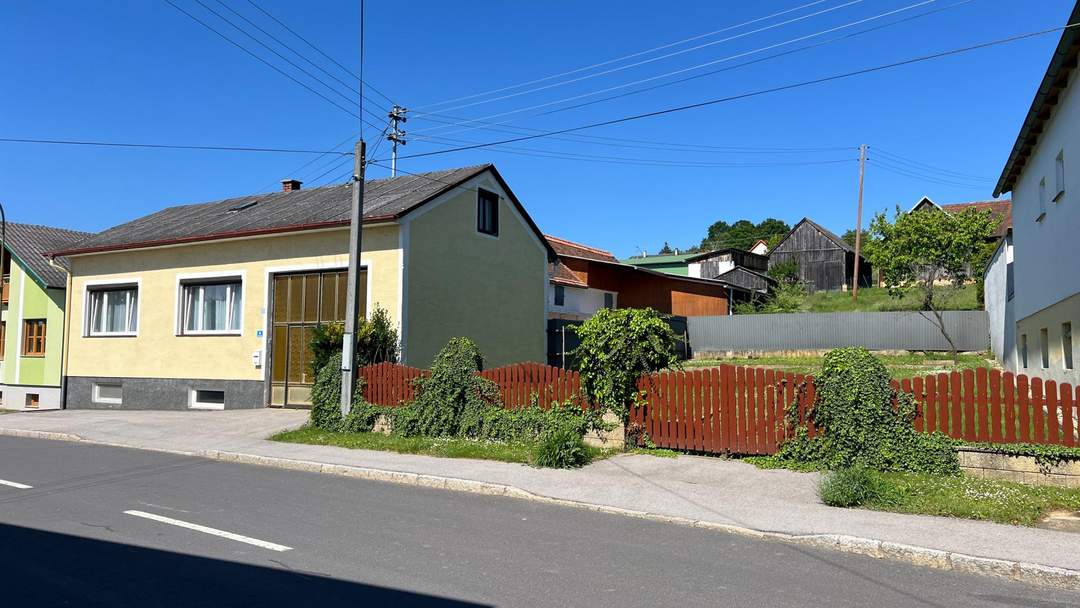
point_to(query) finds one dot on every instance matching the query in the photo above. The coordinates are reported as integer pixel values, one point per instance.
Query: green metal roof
(659, 259)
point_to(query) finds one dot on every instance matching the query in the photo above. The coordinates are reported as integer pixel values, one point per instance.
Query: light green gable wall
(463, 283)
(28, 300)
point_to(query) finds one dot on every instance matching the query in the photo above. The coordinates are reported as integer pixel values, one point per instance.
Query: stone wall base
(1021, 469)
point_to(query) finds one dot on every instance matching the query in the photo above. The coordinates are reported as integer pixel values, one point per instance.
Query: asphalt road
(103, 526)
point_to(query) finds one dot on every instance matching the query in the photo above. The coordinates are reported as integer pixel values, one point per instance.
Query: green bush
(617, 348)
(376, 341)
(326, 402)
(851, 487)
(858, 424)
(451, 401)
(562, 448)
(326, 395)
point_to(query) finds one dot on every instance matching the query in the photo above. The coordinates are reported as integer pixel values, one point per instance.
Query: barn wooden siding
(823, 263)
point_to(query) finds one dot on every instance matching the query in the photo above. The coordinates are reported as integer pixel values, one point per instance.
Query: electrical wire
(624, 57)
(117, 144)
(348, 86)
(759, 92)
(635, 161)
(693, 67)
(320, 51)
(920, 177)
(267, 63)
(923, 167)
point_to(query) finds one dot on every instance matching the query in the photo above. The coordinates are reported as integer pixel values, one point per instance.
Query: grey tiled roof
(384, 199)
(29, 242)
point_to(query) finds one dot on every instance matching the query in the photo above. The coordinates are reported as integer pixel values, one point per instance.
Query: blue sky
(141, 71)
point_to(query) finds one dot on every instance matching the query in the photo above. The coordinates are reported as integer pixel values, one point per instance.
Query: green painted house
(32, 308)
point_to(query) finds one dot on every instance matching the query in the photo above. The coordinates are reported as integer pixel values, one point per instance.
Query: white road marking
(207, 530)
(21, 486)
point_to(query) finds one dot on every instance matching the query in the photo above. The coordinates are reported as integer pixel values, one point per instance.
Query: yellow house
(212, 305)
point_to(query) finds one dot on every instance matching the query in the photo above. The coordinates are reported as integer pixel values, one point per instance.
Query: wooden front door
(302, 301)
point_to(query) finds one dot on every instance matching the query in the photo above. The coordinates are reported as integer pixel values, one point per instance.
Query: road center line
(207, 530)
(21, 486)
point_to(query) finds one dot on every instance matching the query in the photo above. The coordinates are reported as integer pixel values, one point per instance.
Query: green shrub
(326, 402)
(326, 395)
(617, 348)
(562, 448)
(858, 424)
(851, 487)
(376, 341)
(451, 401)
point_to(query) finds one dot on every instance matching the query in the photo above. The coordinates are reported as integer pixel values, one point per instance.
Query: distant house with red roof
(585, 279)
(1000, 209)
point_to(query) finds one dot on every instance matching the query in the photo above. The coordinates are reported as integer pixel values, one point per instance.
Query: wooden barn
(826, 262)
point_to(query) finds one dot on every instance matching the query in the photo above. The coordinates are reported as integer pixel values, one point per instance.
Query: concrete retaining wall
(1021, 469)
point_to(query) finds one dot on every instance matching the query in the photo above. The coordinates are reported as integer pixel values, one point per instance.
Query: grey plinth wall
(162, 393)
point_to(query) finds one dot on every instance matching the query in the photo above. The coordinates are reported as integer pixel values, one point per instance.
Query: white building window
(204, 399)
(1066, 345)
(212, 308)
(108, 393)
(1059, 173)
(1042, 200)
(1044, 348)
(1023, 351)
(113, 311)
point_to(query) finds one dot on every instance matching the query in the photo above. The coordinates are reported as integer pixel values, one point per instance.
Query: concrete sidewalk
(706, 492)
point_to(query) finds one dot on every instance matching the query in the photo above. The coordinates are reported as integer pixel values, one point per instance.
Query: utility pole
(858, 224)
(356, 235)
(396, 135)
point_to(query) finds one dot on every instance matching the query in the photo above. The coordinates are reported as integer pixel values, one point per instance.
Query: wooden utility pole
(356, 235)
(858, 225)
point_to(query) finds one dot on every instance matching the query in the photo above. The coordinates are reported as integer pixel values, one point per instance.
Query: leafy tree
(848, 236)
(666, 249)
(918, 249)
(743, 234)
(617, 348)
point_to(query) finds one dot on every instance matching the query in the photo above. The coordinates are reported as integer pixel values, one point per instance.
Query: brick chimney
(288, 185)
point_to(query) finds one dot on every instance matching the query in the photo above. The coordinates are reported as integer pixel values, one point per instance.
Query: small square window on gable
(487, 212)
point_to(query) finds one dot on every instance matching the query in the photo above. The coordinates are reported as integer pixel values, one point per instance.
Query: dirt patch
(1062, 521)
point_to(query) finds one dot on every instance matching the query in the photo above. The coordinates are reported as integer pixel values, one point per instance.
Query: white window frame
(183, 281)
(1042, 200)
(97, 398)
(1059, 176)
(110, 285)
(195, 404)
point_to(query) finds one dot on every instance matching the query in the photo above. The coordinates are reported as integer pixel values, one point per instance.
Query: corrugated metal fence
(969, 329)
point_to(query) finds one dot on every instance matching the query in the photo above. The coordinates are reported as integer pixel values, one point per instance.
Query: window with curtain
(113, 311)
(211, 307)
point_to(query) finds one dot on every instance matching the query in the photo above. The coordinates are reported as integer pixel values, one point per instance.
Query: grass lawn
(442, 447)
(877, 299)
(972, 498)
(899, 366)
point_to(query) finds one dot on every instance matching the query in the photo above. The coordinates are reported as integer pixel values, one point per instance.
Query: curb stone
(1037, 574)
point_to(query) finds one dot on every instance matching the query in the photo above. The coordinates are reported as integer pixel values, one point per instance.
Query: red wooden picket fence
(391, 384)
(721, 410)
(741, 410)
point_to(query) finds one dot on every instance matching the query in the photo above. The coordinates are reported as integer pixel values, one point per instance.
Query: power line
(695, 67)
(272, 66)
(294, 51)
(116, 144)
(619, 160)
(748, 95)
(624, 57)
(921, 177)
(320, 51)
(921, 166)
(645, 61)
(336, 167)
(754, 61)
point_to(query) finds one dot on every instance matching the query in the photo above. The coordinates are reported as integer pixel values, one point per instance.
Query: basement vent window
(33, 400)
(109, 393)
(202, 399)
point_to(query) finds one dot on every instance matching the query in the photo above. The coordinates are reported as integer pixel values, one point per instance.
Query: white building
(1043, 174)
